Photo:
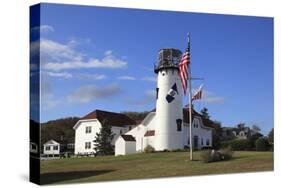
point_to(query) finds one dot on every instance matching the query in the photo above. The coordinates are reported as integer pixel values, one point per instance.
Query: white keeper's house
(88, 126)
(165, 128)
(51, 148)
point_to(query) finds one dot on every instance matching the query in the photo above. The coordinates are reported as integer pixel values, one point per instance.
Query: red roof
(206, 122)
(128, 137)
(114, 119)
(150, 133)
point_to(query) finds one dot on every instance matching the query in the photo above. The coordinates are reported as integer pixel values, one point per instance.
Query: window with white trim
(88, 129)
(87, 145)
(207, 142)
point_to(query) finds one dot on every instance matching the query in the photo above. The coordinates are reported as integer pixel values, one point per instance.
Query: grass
(148, 165)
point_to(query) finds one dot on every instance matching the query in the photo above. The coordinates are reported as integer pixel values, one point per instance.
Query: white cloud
(108, 53)
(150, 79)
(51, 51)
(56, 56)
(59, 74)
(87, 93)
(43, 29)
(46, 29)
(48, 100)
(148, 98)
(49, 103)
(86, 76)
(73, 42)
(126, 78)
(150, 93)
(210, 97)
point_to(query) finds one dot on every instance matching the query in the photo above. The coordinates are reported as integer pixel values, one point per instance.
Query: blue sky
(102, 58)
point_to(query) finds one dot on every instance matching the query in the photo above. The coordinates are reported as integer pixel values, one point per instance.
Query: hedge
(239, 145)
(262, 144)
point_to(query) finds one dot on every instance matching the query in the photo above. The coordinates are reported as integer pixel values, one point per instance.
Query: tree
(241, 125)
(216, 134)
(262, 144)
(256, 129)
(103, 140)
(271, 136)
(205, 113)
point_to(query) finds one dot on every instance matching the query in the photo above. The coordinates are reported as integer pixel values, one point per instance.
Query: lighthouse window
(179, 122)
(157, 90)
(179, 128)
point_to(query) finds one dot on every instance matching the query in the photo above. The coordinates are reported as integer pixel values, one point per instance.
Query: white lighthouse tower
(169, 115)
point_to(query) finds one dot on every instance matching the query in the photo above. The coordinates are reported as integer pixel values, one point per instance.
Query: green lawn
(148, 165)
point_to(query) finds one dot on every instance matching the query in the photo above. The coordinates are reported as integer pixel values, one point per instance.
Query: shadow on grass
(56, 177)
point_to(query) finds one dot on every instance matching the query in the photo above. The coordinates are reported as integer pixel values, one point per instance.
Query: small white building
(51, 148)
(125, 144)
(88, 126)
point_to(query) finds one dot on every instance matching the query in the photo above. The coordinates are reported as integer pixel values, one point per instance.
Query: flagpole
(190, 105)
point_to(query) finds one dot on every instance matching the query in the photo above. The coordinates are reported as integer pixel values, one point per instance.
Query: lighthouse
(169, 115)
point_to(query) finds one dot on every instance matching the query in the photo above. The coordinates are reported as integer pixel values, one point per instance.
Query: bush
(166, 150)
(207, 148)
(239, 145)
(226, 153)
(177, 150)
(149, 149)
(208, 156)
(262, 144)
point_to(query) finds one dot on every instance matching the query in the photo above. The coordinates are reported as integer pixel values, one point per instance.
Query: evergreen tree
(241, 126)
(216, 133)
(256, 128)
(205, 113)
(103, 140)
(271, 136)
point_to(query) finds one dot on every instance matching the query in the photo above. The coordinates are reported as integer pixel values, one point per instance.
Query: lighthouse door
(195, 141)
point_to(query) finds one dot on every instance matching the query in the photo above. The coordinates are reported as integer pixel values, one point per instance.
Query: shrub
(177, 150)
(226, 153)
(166, 150)
(149, 149)
(186, 148)
(207, 148)
(238, 145)
(208, 156)
(262, 144)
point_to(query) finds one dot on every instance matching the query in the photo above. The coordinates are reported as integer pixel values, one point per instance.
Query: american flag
(183, 66)
(198, 94)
